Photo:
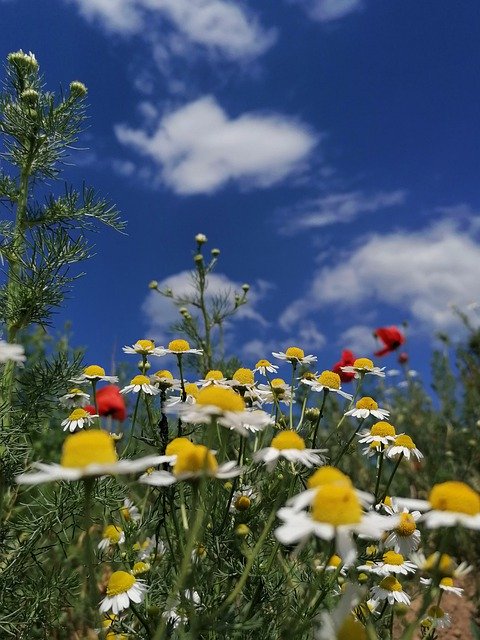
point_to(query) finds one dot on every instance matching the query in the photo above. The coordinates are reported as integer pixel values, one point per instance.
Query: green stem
(346, 447)
(385, 493)
(320, 416)
(292, 385)
(132, 428)
(90, 581)
(379, 474)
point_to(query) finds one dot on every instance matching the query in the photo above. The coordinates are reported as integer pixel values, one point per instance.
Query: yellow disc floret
(145, 346)
(329, 379)
(242, 503)
(278, 382)
(113, 533)
(119, 582)
(406, 526)
(391, 557)
(295, 353)
(351, 629)
(78, 414)
(455, 496)
(363, 363)
(263, 363)
(194, 460)
(434, 611)
(404, 441)
(177, 445)
(191, 389)
(390, 583)
(288, 440)
(335, 561)
(243, 376)
(382, 429)
(94, 371)
(88, 447)
(328, 475)
(178, 346)
(139, 380)
(223, 398)
(366, 403)
(164, 374)
(214, 374)
(446, 566)
(336, 505)
(140, 567)
(446, 582)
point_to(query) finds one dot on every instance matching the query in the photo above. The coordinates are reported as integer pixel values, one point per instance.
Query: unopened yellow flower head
(351, 629)
(113, 533)
(242, 530)
(177, 445)
(140, 379)
(242, 503)
(164, 374)
(390, 583)
(446, 566)
(88, 447)
(328, 475)
(243, 376)
(391, 557)
(363, 363)
(382, 429)
(214, 374)
(329, 379)
(221, 397)
(455, 496)
(406, 526)
(140, 567)
(366, 403)
(119, 582)
(404, 441)
(195, 459)
(178, 345)
(94, 371)
(295, 353)
(191, 389)
(26, 60)
(288, 440)
(336, 504)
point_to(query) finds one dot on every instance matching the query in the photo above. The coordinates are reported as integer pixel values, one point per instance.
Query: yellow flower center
(177, 445)
(329, 379)
(243, 376)
(308, 375)
(140, 380)
(76, 391)
(140, 567)
(214, 374)
(119, 582)
(191, 389)
(178, 345)
(88, 447)
(375, 444)
(263, 363)
(327, 475)
(406, 526)
(335, 561)
(446, 565)
(125, 511)
(94, 371)
(351, 629)
(363, 363)
(223, 398)
(446, 582)
(455, 496)
(195, 459)
(387, 501)
(390, 583)
(115, 636)
(336, 505)
(382, 429)
(288, 440)
(404, 441)
(278, 382)
(242, 503)
(164, 373)
(295, 353)
(435, 611)
(77, 414)
(390, 557)
(366, 403)
(145, 345)
(113, 533)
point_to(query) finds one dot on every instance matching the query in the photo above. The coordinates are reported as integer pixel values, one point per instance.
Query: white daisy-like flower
(13, 352)
(149, 547)
(362, 367)
(214, 377)
(122, 588)
(77, 419)
(393, 562)
(242, 499)
(277, 391)
(290, 446)
(264, 366)
(382, 432)
(328, 381)
(141, 383)
(191, 462)
(191, 390)
(75, 398)
(164, 380)
(112, 535)
(130, 512)
(445, 584)
(295, 355)
(334, 563)
(242, 380)
(437, 617)
(226, 407)
(403, 444)
(445, 565)
(178, 347)
(405, 538)
(175, 616)
(374, 448)
(87, 454)
(143, 348)
(342, 622)
(93, 373)
(449, 504)
(391, 590)
(366, 407)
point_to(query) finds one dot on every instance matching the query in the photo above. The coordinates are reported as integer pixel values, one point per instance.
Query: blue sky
(329, 148)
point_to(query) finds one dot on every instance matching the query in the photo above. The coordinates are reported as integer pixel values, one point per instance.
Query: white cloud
(358, 339)
(419, 272)
(339, 208)
(330, 10)
(198, 148)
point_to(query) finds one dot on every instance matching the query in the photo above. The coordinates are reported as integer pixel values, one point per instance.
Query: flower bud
(403, 357)
(215, 252)
(246, 287)
(153, 284)
(78, 89)
(198, 258)
(200, 238)
(144, 366)
(242, 530)
(26, 61)
(30, 96)
(183, 311)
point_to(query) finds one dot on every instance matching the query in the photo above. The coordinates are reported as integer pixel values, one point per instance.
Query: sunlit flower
(327, 381)
(277, 391)
(93, 373)
(88, 454)
(263, 366)
(391, 337)
(141, 383)
(405, 537)
(130, 512)
(391, 590)
(144, 348)
(295, 355)
(191, 390)
(77, 419)
(445, 584)
(403, 444)
(382, 432)
(139, 568)
(164, 380)
(122, 588)
(393, 562)
(74, 398)
(346, 360)
(362, 367)
(290, 446)
(112, 535)
(366, 407)
(179, 347)
(215, 377)
(12, 352)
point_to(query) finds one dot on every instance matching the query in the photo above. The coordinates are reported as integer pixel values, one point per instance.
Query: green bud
(215, 252)
(24, 61)
(153, 284)
(30, 96)
(78, 89)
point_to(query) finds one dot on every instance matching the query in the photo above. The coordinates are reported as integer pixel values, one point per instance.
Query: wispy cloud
(199, 149)
(329, 10)
(338, 208)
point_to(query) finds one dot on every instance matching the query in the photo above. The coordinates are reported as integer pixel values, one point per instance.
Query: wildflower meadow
(188, 494)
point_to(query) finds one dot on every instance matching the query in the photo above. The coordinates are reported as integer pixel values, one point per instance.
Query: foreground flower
(346, 360)
(88, 454)
(391, 337)
(391, 590)
(366, 407)
(75, 398)
(12, 352)
(143, 348)
(141, 383)
(178, 347)
(77, 419)
(290, 446)
(341, 623)
(362, 367)
(122, 587)
(111, 535)
(295, 355)
(327, 381)
(94, 373)
(404, 445)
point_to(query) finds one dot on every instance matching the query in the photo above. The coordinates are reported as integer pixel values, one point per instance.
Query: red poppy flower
(391, 337)
(110, 402)
(346, 360)
(403, 357)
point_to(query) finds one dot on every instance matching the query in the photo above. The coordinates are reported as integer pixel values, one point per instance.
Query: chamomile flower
(263, 366)
(140, 567)
(445, 584)
(130, 512)
(77, 419)
(93, 373)
(176, 615)
(122, 588)
(341, 623)
(290, 446)
(405, 537)
(242, 380)
(179, 347)
(294, 355)
(191, 390)
(242, 499)
(112, 535)
(143, 348)
(445, 565)
(277, 391)
(366, 407)
(391, 590)
(148, 548)
(437, 617)
(382, 432)
(141, 383)
(87, 454)
(215, 377)
(403, 444)
(328, 381)
(393, 562)
(164, 380)
(362, 367)
(335, 563)
(75, 398)
(12, 352)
